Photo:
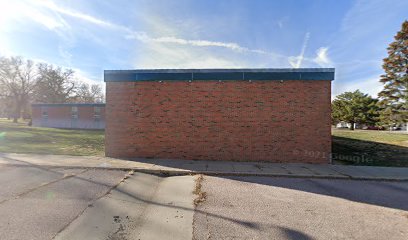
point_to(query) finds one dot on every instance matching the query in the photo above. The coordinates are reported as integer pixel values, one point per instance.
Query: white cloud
(174, 51)
(141, 36)
(158, 55)
(43, 19)
(200, 43)
(72, 13)
(162, 47)
(164, 51)
(14, 11)
(322, 58)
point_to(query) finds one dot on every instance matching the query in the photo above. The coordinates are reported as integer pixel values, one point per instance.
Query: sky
(92, 36)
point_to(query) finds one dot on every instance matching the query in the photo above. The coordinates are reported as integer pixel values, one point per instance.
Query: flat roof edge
(207, 70)
(219, 74)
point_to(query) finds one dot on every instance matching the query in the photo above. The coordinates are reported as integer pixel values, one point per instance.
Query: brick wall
(271, 121)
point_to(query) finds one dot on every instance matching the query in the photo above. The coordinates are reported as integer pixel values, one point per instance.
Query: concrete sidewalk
(185, 167)
(142, 207)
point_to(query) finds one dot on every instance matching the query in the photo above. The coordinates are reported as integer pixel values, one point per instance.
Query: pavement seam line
(143, 212)
(92, 202)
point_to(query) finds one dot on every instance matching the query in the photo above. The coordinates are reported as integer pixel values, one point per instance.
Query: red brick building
(69, 115)
(274, 115)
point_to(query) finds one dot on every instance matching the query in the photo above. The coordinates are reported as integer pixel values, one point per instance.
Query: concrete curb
(249, 174)
(220, 173)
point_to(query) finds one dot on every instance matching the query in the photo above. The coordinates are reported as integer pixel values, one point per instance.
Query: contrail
(302, 53)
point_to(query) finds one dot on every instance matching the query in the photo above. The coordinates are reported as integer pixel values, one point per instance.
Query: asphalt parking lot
(38, 202)
(290, 208)
(62, 203)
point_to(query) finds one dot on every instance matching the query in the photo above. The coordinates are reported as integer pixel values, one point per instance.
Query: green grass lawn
(350, 147)
(370, 147)
(20, 138)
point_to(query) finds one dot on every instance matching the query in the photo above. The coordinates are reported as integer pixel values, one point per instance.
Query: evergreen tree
(354, 107)
(394, 96)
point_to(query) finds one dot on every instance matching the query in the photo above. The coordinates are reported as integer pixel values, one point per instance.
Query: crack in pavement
(42, 185)
(92, 202)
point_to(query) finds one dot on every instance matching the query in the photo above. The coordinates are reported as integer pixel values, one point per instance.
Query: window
(44, 113)
(97, 113)
(74, 112)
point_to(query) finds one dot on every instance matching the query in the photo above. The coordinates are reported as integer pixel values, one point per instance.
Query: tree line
(391, 107)
(23, 82)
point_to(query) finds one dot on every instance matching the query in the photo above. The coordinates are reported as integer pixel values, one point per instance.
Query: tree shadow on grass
(359, 152)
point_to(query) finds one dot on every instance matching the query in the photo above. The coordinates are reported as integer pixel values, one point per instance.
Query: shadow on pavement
(294, 234)
(380, 193)
(147, 201)
(386, 194)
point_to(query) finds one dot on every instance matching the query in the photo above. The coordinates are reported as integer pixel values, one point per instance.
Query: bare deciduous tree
(22, 82)
(89, 93)
(18, 78)
(54, 84)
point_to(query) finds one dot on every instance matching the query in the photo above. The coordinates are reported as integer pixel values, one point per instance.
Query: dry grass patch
(201, 196)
